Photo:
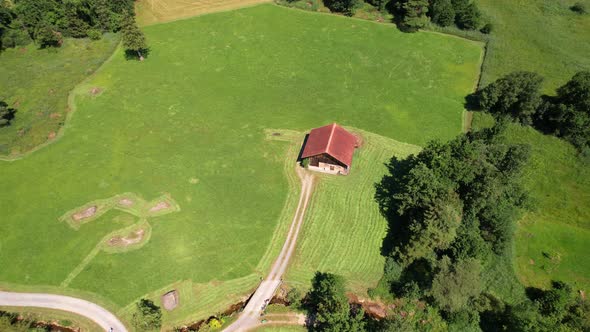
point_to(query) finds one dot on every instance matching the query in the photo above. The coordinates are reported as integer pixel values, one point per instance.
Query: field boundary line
(72, 109)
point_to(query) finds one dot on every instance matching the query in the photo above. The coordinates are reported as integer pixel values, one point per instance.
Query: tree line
(517, 96)
(47, 22)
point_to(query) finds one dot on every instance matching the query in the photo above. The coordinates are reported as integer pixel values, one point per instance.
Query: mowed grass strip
(37, 82)
(190, 121)
(343, 228)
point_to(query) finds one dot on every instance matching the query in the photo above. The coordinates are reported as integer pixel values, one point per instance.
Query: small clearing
(127, 202)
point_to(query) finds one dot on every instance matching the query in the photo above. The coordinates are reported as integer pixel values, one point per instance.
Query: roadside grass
(343, 229)
(63, 318)
(551, 240)
(190, 122)
(37, 83)
(543, 36)
(285, 328)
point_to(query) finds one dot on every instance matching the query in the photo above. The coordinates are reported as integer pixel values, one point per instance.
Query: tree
(468, 18)
(133, 39)
(516, 95)
(46, 36)
(442, 12)
(568, 114)
(329, 305)
(579, 8)
(347, 7)
(413, 13)
(456, 285)
(147, 316)
(6, 114)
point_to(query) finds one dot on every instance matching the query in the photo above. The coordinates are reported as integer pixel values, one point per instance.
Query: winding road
(94, 312)
(250, 317)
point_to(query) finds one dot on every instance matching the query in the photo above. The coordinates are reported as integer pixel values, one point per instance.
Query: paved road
(92, 311)
(250, 317)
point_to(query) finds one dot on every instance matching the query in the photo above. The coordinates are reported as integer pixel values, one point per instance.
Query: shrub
(487, 29)
(305, 163)
(443, 13)
(94, 34)
(346, 7)
(15, 38)
(579, 8)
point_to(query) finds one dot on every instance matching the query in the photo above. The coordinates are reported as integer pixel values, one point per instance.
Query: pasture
(549, 240)
(343, 228)
(37, 83)
(189, 124)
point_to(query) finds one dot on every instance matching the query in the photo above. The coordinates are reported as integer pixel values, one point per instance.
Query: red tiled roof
(333, 140)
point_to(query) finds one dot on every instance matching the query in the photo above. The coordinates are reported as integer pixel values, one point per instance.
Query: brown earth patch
(87, 213)
(132, 238)
(96, 90)
(51, 135)
(170, 300)
(126, 202)
(373, 309)
(54, 115)
(160, 206)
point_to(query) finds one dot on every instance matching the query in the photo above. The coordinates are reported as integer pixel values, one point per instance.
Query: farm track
(249, 318)
(94, 312)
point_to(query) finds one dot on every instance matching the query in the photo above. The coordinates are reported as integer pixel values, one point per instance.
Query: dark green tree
(468, 18)
(442, 12)
(46, 36)
(133, 38)
(413, 13)
(568, 114)
(347, 7)
(6, 114)
(516, 95)
(147, 316)
(329, 306)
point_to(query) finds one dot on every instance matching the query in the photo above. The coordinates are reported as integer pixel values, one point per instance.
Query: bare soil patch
(54, 115)
(170, 300)
(160, 206)
(95, 91)
(51, 135)
(127, 202)
(86, 213)
(133, 238)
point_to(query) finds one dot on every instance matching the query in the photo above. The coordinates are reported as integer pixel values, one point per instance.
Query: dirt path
(250, 317)
(94, 312)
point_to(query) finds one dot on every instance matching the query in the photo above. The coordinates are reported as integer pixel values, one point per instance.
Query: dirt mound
(127, 202)
(160, 206)
(170, 300)
(87, 213)
(94, 91)
(132, 238)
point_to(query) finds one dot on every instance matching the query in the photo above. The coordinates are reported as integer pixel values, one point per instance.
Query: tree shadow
(390, 185)
(472, 102)
(7, 114)
(135, 55)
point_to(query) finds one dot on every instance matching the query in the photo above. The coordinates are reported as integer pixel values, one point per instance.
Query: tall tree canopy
(568, 114)
(147, 316)
(442, 12)
(413, 14)
(133, 38)
(516, 95)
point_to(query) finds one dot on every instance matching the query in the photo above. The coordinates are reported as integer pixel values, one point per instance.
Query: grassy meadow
(546, 37)
(37, 83)
(350, 219)
(190, 122)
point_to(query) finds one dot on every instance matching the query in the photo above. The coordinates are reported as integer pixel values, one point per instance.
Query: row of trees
(48, 21)
(415, 14)
(518, 97)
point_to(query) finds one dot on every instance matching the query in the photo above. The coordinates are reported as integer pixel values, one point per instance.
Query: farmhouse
(329, 149)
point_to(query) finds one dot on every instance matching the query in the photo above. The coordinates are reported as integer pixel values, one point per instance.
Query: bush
(579, 8)
(15, 38)
(305, 163)
(94, 34)
(487, 29)
(346, 7)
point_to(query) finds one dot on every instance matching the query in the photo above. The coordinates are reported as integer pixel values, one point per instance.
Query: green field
(63, 318)
(550, 41)
(543, 36)
(189, 122)
(350, 219)
(37, 82)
